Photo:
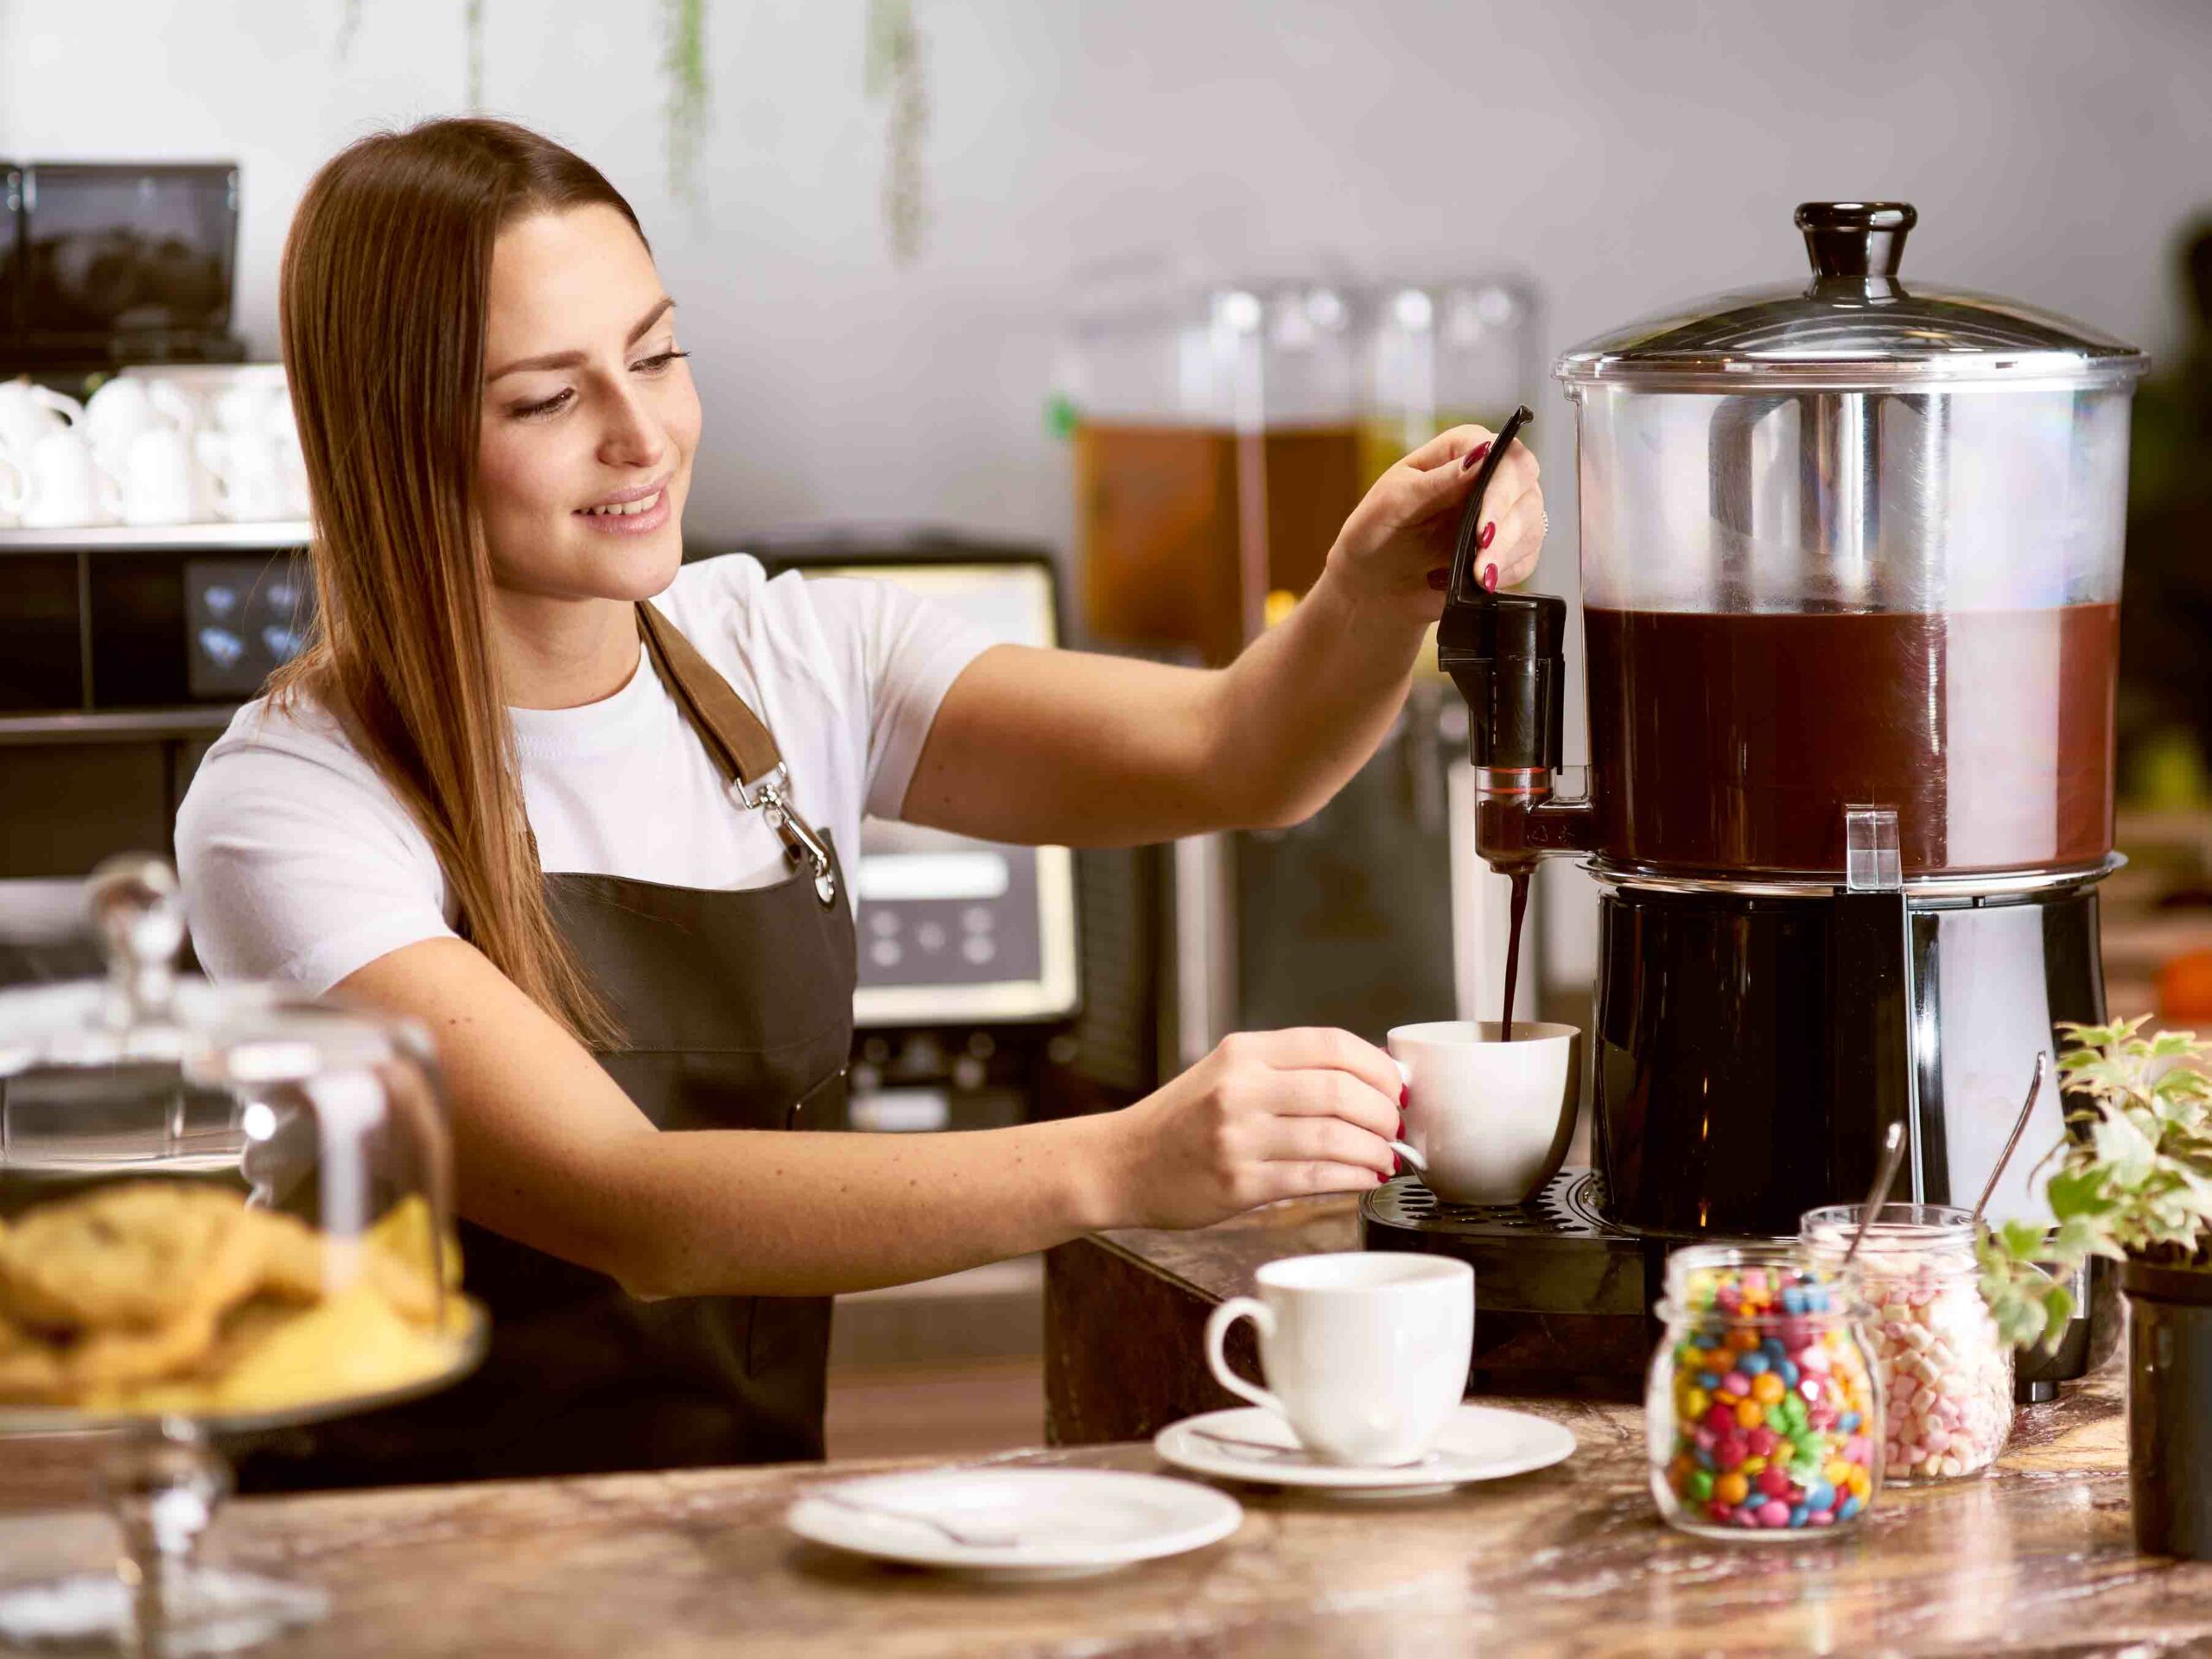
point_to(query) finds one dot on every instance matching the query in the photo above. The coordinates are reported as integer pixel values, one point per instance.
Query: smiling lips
(632, 513)
(625, 509)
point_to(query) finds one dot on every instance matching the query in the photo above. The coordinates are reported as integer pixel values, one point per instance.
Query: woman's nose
(632, 437)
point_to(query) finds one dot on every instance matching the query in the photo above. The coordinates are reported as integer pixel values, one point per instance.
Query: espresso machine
(1851, 562)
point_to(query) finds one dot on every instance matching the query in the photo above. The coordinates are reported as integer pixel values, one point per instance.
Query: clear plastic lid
(1855, 326)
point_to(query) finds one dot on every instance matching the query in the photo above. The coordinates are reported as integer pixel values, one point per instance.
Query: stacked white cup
(253, 451)
(48, 476)
(150, 450)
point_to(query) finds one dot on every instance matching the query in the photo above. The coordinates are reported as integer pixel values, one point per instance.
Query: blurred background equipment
(1221, 433)
(104, 264)
(152, 522)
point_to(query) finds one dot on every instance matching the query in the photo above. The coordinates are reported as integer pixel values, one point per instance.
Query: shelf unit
(104, 717)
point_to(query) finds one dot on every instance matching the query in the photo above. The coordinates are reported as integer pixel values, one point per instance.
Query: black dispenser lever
(1506, 653)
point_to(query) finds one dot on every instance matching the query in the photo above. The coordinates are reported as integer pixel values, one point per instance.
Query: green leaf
(2074, 1194)
(2024, 1240)
(2127, 1152)
(2077, 1237)
(2057, 1309)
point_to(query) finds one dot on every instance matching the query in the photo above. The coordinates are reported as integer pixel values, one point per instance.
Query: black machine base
(1563, 1298)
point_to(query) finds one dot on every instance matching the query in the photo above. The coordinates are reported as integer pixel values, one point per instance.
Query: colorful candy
(1760, 1397)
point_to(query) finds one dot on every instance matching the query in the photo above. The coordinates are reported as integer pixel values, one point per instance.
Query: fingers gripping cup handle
(1236, 1308)
(1404, 1151)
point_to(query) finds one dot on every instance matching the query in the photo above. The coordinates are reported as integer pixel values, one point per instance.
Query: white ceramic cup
(252, 404)
(1490, 1120)
(29, 413)
(125, 409)
(69, 490)
(291, 472)
(15, 490)
(162, 480)
(249, 474)
(1366, 1352)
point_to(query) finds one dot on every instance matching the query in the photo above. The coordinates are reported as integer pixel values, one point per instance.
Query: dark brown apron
(736, 1010)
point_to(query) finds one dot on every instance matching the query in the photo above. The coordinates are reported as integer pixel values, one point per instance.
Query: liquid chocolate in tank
(1734, 741)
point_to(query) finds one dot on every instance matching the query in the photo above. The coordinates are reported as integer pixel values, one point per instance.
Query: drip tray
(1566, 1208)
(1561, 1298)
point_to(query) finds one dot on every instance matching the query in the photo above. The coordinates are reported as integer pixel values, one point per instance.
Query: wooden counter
(2034, 1559)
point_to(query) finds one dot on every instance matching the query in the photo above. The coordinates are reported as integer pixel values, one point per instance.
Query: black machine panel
(108, 252)
(1750, 1050)
(245, 618)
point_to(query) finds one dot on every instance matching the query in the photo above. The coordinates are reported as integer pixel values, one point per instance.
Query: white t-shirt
(300, 865)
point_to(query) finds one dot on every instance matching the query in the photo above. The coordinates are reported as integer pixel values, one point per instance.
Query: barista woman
(580, 813)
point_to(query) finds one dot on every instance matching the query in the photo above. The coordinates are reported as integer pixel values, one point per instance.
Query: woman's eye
(658, 361)
(557, 401)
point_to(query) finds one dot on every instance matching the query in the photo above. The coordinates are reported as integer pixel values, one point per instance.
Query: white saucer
(1016, 1523)
(1476, 1443)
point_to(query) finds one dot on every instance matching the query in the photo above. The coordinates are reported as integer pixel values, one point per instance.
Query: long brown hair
(382, 304)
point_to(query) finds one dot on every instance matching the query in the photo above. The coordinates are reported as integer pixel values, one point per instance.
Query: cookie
(138, 1255)
(291, 1256)
(31, 1372)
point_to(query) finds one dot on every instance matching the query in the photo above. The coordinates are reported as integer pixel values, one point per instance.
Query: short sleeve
(907, 650)
(299, 871)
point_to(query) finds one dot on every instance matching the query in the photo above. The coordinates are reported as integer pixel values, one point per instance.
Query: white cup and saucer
(1366, 1356)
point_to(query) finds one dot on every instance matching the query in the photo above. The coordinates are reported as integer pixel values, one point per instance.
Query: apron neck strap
(733, 733)
(740, 743)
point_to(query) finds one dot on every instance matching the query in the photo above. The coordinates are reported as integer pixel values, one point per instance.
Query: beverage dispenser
(1851, 563)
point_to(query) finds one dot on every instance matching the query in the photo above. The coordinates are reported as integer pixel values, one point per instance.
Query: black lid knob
(1856, 238)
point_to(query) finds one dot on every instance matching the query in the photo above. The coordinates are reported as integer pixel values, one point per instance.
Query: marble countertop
(2034, 1559)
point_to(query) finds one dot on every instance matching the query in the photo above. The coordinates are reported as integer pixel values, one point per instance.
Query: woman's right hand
(1268, 1114)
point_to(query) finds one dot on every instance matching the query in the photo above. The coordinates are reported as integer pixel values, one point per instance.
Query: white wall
(1649, 151)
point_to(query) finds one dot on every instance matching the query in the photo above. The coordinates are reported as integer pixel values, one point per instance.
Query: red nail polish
(1438, 580)
(1490, 578)
(1475, 454)
(1488, 535)
(1405, 1095)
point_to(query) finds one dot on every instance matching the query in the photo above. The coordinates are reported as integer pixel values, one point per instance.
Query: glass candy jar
(1762, 1413)
(1946, 1374)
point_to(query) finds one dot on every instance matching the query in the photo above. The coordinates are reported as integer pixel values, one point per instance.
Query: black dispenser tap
(1507, 654)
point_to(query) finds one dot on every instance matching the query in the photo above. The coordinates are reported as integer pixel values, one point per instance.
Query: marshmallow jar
(1946, 1373)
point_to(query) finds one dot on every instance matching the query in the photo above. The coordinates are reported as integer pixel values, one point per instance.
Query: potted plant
(2134, 1183)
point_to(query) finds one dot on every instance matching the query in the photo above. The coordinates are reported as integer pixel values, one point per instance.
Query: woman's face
(590, 418)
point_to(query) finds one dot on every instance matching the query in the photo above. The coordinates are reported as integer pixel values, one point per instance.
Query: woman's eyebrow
(571, 359)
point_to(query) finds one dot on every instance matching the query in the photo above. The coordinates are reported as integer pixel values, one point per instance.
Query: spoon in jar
(1885, 1179)
(2027, 1108)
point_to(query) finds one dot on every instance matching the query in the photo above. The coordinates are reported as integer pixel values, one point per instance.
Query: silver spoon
(1299, 1454)
(2027, 1107)
(1885, 1179)
(968, 1537)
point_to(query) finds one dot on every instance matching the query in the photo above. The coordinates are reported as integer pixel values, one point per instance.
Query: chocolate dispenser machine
(1851, 562)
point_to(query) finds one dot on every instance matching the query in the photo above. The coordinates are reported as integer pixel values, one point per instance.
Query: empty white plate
(1476, 1443)
(1016, 1522)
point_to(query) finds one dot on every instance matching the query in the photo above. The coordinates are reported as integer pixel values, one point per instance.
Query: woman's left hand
(1396, 547)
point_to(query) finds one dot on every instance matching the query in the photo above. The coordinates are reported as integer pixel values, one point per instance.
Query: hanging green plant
(683, 66)
(349, 25)
(473, 21)
(895, 80)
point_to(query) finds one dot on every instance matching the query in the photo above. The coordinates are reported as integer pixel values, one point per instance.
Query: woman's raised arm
(1090, 750)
